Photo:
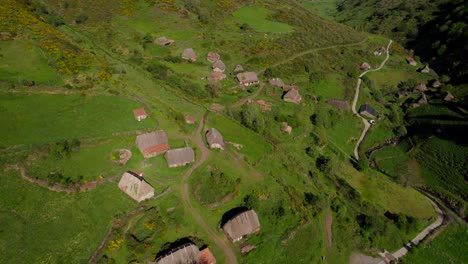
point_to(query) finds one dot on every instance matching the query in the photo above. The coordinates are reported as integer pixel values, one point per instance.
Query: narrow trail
(415, 241)
(356, 97)
(220, 241)
(328, 229)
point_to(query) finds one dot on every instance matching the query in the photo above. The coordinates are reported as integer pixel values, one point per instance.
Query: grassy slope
(282, 184)
(256, 17)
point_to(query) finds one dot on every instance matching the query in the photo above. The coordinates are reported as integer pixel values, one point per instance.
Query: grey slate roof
(219, 65)
(179, 157)
(185, 254)
(247, 77)
(367, 108)
(241, 225)
(189, 54)
(148, 140)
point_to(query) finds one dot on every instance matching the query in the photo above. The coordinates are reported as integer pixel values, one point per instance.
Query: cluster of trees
(63, 149)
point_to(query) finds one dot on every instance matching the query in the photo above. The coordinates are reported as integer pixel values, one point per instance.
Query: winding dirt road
(356, 97)
(219, 240)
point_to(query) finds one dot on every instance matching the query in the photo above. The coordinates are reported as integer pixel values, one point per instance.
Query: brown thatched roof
(247, 77)
(242, 225)
(411, 61)
(292, 96)
(276, 82)
(212, 56)
(189, 54)
(340, 104)
(365, 66)
(216, 76)
(179, 157)
(449, 96)
(152, 143)
(215, 139)
(421, 87)
(206, 257)
(185, 254)
(135, 186)
(163, 41)
(426, 69)
(422, 100)
(219, 66)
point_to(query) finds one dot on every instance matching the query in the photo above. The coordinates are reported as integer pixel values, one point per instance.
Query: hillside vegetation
(62, 129)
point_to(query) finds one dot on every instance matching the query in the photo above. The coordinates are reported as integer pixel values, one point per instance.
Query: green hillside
(72, 72)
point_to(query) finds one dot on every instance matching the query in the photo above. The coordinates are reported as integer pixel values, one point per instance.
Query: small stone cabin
(152, 144)
(185, 254)
(340, 104)
(215, 139)
(247, 78)
(219, 66)
(206, 257)
(179, 157)
(163, 41)
(140, 114)
(213, 57)
(436, 83)
(292, 96)
(276, 82)
(134, 185)
(189, 54)
(411, 61)
(365, 66)
(426, 69)
(216, 76)
(421, 87)
(241, 225)
(367, 110)
(449, 96)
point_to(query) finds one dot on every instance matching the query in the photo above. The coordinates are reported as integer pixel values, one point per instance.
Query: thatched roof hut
(216, 76)
(163, 41)
(276, 82)
(219, 66)
(436, 83)
(367, 110)
(215, 139)
(152, 144)
(213, 56)
(411, 61)
(422, 100)
(421, 87)
(185, 254)
(247, 78)
(365, 66)
(449, 96)
(189, 54)
(135, 186)
(241, 225)
(179, 157)
(292, 96)
(426, 69)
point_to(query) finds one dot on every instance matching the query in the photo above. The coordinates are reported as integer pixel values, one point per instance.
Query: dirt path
(356, 97)
(83, 187)
(219, 240)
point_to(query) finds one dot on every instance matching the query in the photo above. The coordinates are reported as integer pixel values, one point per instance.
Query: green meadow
(258, 18)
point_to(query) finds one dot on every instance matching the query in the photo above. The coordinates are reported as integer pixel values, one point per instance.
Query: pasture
(258, 18)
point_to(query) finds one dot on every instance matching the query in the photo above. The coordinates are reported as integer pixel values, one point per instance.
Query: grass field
(257, 18)
(38, 119)
(447, 248)
(21, 61)
(48, 227)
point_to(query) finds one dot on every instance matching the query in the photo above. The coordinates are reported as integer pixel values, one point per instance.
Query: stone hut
(185, 254)
(215, 139)
(247, 78)
(152, 144)
(213, 57)
(238, 68)
(422, 100)
(219, 66)
(163, 41)
(276, 82)
(189, 54)
(135, 186)
(292, 96)
(365, 66)
(216, 77)
(179, 157)
(241, 225)
(367, 110)
(340, 104)
(140, 114)
(436, 83)
(206, 257)
(426, 69)
(411, 61)
(449, 96)
(421, 87)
